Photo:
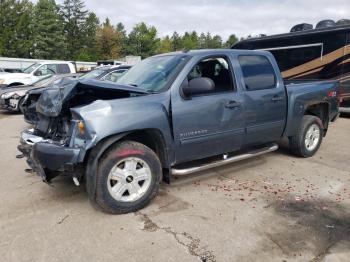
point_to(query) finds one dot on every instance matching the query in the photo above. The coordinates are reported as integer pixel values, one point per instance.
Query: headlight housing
(14, 94)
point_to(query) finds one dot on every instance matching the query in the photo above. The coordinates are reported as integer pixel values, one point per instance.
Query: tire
(119, 189)
(299, 145)
(20, 108)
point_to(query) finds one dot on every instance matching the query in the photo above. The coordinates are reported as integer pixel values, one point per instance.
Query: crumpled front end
(61, 137)
(46, 157)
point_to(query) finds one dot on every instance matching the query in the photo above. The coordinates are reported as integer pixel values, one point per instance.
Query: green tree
(216, 42)
(143, 40)
(176, 42)
(109, 41)
(165, 45)
(88, 51)
(75, 17)
(202, 41)
(231, 41)
(48, 31)
(190, 40)
(124, 38)
(16, 28)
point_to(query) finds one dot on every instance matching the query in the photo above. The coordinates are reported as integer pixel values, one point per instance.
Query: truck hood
(14, 76)
(58, 100)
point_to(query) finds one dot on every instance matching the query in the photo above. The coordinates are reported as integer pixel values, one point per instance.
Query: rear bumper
(44, 156)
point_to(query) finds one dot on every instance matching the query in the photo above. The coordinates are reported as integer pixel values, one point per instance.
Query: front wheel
(128, 178)
(309, 137)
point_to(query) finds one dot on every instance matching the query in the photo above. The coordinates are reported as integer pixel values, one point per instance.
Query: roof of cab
(209, 52)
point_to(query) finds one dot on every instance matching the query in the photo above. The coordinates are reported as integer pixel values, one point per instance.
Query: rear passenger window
(63, 69)
(258, 72)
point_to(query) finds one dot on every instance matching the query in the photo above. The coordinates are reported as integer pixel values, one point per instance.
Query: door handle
(232, 104)
(276, 98)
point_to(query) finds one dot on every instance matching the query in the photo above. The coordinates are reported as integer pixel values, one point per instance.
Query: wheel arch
(320, 110)
(16, 84)
(152, 138)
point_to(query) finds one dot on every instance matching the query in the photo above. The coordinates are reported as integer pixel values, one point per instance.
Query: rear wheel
(309, 136)
(129, 175)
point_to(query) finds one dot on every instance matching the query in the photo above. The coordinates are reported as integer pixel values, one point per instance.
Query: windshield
(31, 68)
(44, 81)
(93, 74)
(153, 74)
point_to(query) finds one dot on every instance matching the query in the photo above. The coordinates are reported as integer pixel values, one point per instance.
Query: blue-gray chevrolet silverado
(173, 114)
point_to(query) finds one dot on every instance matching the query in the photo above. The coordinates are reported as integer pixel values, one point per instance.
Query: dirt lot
(272, 208)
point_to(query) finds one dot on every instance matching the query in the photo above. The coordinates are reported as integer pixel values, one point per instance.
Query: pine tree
(75, 16)
(88, 52)
(176, 42)
(16, 28)
(143, 41)
(216, 42)
(124, 38)
(231, 41)
(48, 31)
(190, 40)
(165, 45)
(202, 41)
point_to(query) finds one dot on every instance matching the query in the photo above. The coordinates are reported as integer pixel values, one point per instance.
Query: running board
(225, 161)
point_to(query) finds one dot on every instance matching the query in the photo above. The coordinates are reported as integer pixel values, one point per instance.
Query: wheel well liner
(154, 139)
(320, 110)
(16, 84)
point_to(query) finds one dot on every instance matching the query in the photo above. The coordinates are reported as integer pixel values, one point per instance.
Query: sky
(223, 17)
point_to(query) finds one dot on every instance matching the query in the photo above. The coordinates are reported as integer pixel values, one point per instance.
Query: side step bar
(254, 153)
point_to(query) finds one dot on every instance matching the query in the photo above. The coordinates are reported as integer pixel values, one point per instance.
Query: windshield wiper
(150, 91)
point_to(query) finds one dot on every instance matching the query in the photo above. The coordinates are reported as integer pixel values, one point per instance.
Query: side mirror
(198, 86)
(38, 73)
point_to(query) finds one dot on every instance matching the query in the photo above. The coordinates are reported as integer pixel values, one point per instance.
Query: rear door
(264, 99)
(63, 69)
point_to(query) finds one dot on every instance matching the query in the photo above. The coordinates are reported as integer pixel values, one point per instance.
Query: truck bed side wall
(302, 96)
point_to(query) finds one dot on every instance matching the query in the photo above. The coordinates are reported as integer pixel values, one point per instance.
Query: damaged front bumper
(46, 157)
(11, 104)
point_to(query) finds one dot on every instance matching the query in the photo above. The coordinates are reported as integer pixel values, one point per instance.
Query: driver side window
(46, 70)
(218, 70)
(114, 76)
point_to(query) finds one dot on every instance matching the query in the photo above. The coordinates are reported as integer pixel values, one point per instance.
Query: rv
(307, 53)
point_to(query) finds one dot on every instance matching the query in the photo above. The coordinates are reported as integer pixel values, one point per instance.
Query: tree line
(46, 30)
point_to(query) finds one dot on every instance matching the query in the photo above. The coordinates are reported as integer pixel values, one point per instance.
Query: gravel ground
(272, 208)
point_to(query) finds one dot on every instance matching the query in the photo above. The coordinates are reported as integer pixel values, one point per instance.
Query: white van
(35, 72)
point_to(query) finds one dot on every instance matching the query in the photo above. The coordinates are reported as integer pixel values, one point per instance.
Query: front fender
(92, 162)
(104, 119)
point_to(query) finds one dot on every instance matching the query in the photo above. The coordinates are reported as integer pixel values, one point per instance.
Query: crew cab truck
(173, 114)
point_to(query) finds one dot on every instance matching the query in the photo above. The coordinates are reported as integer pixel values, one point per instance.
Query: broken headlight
(16, 94)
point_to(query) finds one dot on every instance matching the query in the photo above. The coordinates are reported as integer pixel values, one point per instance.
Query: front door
(212, 123)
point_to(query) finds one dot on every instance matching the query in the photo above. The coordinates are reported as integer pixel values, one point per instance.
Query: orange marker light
(81, 127)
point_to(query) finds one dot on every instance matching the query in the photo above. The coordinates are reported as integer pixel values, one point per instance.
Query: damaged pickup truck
(173, 114)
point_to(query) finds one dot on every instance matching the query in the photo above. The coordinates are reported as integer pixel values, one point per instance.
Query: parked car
(35, 72)
(10, 70)
(105, 73)
(12, 97)
(173, 114)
